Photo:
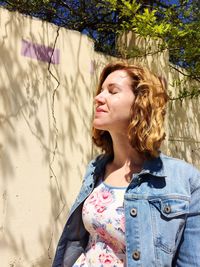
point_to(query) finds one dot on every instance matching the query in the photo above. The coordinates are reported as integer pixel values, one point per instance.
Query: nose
(100, 98)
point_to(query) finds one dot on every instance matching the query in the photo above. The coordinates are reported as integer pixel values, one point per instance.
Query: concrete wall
(184, 120)
(45, 125)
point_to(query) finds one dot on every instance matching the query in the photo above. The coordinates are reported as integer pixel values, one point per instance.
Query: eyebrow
(111, 85)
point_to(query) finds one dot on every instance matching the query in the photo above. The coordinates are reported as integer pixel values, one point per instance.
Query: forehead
(119, 77)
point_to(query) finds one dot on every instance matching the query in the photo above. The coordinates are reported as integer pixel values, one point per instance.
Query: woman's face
(114, 102)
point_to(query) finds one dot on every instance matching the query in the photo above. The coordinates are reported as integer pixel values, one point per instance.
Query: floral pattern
(103, 217)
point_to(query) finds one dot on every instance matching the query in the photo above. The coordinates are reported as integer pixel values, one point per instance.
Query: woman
(136, 207)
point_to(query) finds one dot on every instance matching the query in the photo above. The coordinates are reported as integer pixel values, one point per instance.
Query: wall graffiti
(40, 52)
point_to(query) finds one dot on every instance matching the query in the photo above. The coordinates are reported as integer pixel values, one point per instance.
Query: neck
(124, 154)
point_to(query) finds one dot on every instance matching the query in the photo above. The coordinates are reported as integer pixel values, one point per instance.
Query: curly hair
(146, 128)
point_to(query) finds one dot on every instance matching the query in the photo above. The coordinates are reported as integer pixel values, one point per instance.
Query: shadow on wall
(44, 133)
(184, 124)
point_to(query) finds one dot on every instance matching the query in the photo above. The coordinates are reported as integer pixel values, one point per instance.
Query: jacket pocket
(169, 215)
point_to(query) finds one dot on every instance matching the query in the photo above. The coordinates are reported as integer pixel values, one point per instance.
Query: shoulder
(98, 160)
(96, 165)
(179, 168)
(177, 163)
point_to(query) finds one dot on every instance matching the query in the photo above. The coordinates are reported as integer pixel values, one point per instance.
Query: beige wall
(45, 125)
(44, 144)
(184, 121)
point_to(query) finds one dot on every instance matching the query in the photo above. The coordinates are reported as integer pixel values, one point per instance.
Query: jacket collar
(154, 166)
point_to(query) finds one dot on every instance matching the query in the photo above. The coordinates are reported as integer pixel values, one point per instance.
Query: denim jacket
(162, 216)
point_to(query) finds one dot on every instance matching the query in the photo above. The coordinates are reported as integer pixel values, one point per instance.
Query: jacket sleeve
(188, 253)
(74, 237)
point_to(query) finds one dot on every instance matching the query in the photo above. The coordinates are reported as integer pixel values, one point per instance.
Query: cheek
(126, 107)
(122, 113)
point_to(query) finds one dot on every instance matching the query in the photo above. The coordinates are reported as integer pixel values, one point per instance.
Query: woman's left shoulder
(180, 166)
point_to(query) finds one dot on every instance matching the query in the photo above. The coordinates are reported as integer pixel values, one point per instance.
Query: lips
(98, 109)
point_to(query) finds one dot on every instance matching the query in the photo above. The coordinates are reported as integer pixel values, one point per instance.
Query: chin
(99, 126)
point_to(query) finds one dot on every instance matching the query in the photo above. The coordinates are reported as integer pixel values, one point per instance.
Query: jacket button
(167, 209)
(136, 255)
(133, 212)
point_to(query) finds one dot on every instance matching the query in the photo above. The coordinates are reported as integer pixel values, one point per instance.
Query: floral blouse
(103, 217)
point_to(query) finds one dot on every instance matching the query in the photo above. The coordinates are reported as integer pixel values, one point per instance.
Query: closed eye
(111, 89)
(113, 92)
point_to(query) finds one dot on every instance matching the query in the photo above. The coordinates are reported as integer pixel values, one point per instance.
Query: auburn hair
(146, 128)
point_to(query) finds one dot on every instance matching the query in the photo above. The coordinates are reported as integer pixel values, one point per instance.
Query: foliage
(86, 16)
(176, 25)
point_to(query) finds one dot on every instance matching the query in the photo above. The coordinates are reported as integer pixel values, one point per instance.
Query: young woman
(136, 207)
